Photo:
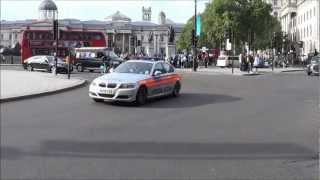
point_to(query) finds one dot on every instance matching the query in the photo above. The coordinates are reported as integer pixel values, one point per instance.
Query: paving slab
(23, 84)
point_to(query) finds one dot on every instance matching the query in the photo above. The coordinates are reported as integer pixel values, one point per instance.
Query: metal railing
(10, 59)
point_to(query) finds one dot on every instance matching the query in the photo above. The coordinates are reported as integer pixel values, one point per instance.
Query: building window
(142, 38)
(1, 36)
(161, 38)
(314, 11)
(10, 36)
(310, 30)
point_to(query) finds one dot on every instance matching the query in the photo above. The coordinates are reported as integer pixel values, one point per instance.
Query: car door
(36, 62)
(43, 63)
(168, 78)
(157, 83)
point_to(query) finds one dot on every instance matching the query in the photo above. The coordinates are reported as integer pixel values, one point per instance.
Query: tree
(184, 41)
(250, 21)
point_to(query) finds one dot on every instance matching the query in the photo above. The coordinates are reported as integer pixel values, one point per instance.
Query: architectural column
(129, 43)
(114, 41)
(154, 44)
(123, 38)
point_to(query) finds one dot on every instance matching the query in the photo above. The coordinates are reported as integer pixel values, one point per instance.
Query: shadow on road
(184, 100)
(164, 150)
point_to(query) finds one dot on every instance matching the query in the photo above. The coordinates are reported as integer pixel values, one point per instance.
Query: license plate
(106, 91)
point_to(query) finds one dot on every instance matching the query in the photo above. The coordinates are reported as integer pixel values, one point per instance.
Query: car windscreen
(134, 68)
(315, 60)
(51, 59)
(222, 58)
(112, 54)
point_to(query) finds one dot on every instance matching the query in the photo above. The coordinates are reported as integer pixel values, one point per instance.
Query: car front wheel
(141, 97)
(176, 89)
(309, 73)
(29, 67)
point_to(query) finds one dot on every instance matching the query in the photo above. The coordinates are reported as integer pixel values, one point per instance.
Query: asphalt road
(221, 127)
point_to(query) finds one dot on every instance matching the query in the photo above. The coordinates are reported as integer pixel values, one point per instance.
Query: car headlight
(127, 85)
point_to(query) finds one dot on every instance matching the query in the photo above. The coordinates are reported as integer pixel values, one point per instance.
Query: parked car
(136, 81)
(226, 61)
(45, 63)
(313, 67)
(92, 58)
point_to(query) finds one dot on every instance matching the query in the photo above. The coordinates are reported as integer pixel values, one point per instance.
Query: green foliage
(246, 18)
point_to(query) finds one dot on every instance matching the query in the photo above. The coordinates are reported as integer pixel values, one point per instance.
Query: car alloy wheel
(176, 89)
(141, 97)
(80, 68)
(30, 68)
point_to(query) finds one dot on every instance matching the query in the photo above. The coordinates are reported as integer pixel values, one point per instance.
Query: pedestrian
(251, 61)
(183, 61)
(248, 63)
(206, 60)
(256, 62)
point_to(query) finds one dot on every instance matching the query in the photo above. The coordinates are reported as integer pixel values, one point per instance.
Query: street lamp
(56, 38)
(195, 37)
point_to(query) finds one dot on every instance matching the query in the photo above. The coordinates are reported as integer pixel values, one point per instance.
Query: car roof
(145, 61)
(92, 48)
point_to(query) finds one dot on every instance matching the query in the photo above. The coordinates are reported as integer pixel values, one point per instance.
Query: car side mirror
(157, 73)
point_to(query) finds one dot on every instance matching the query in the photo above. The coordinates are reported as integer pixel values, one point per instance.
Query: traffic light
(55, 29)
(228, 34)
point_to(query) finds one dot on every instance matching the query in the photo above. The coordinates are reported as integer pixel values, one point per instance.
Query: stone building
(300, 20)
(122, 34)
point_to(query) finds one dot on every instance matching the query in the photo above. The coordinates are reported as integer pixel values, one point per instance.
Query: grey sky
(176, 10)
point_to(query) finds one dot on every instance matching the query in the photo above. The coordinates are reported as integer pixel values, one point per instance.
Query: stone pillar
(129, 43)
(114, 41)
(123, 38)
(154, 44)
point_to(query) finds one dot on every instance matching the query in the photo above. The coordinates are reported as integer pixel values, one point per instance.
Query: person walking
(256, 62)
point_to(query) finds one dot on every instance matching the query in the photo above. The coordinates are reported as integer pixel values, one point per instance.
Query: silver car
(136, 81)
(313, 67)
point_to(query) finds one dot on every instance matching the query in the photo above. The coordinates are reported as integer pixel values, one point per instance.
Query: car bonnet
(123, 77)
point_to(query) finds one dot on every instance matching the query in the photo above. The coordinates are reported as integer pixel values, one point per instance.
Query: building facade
(300, 20)
(122, 34)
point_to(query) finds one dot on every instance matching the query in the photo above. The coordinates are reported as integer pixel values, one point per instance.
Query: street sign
(228, 45)
(198, 30)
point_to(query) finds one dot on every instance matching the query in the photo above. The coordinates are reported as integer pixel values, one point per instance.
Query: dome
(118, 17)
(48, 5)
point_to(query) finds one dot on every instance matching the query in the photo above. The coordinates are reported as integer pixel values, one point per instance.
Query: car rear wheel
(91, 70)
(80, 68)
(29, 67)
(176, 89)
(141, 97)
(309, 73)
(97, 100)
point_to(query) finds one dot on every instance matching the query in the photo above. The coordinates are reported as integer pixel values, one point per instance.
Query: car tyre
(91, 70)
(29, 67)
(141, 97)
(80, 68)
(176, 89)
(97, 100)
(49, 69)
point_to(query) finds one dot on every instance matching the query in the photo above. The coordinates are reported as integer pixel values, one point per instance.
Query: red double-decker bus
(40, 42)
